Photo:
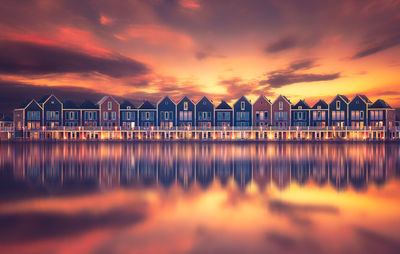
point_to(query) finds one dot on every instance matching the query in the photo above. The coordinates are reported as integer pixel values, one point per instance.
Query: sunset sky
(222, 49)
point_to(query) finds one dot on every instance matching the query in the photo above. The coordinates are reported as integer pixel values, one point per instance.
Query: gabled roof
(264, 98)
(380, 104)
(33, 101)
(165, 97)
(363, 98)
(284, 97)
(185, 97)
(125, 104)
(70, 105)
(344, 98)
(105, 98)
(88, 105)
(147, 105)
(322, 104)
(242, 98)
(24, 104)
(205, 98)
(44, 98)
(223, 105)
(301, 104)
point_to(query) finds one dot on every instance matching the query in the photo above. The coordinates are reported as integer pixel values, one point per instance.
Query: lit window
(242, 106)
(337, 105)
(185, 105)
(109, 105)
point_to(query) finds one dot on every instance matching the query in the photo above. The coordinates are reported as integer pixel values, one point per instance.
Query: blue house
(128, 115)
(147, 115)
(52, 111)
(32, 114)
(205, 113)
(185, 112)
(166, 110)
(338, 111)
(358, 108)
(71, 114)
(223, 115)
(300, 114)
(90, 114)
(381, 114)
(242, 112)
(319, 114)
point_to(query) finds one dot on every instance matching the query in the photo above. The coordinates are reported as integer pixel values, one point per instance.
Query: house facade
(358, 109)
(262, 109)
(223, 115)
(71, 114)
(300, 114)
(205, 113)
(319, 114)
(339, 111)
(52, 111)
(128, 115)
(185, 112)
(109, 111)
(166, 110)
(90, 114)
(281, 112)
(147, 115)
(381, 114)
(242, 110)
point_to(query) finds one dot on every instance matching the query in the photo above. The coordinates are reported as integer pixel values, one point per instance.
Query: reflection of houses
(281, 173)
(300, 171)
(204, 172)
(262, 174)
(185, 173)
(338, 173)
(242, 171)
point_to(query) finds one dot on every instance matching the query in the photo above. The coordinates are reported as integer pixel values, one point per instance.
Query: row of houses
(51, 112)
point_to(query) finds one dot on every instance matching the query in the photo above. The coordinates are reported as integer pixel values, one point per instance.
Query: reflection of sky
(199, 198)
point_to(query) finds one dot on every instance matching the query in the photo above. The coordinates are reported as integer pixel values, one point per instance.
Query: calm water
(199, 198)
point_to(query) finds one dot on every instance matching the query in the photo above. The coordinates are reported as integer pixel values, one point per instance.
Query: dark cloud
(303, 64)
(25, 58)
(282, 44)
(36, 226)
(280, 206)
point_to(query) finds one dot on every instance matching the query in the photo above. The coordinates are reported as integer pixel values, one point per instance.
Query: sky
(140, 50)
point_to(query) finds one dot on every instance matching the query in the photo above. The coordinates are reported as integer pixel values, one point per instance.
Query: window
(128, 116)
(257, 115)
(337, 105)
(361, 115)
(219, 116)
(280, 105)
(265, 115)
(109, 105)
(300, 107)
(147, 116)
(299, 115)
(242, 105)
(71, 115)
(205, 116)
(128, 107)
(318, 107)
(105, 115)
(114, 115)
(185, 105)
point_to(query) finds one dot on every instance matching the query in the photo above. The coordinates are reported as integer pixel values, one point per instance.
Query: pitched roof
(365, 98)
(44, 98)
(70, 105)
(322, 104)
(147, 105)
(89, 105)
(105, 98)
(24, 104)
(185, 97)
(223, 105)
(125, 104)
(284, 97)
(343, 98)
(380, 104)
(263, 97)
(301, 104)
(205, 98)
(242, 98)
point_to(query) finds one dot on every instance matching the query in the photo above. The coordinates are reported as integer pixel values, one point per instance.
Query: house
(300, 114)
(90, 114)
(52, 111)
(5, 121)
(223, 115)
(29, 115)
(109, 111)
(205, 113)
(358, 108)
(242, 112)
(166, 110)
(185, 112)
(381, 114)
(319, 114)
(71, 114)
(147, 115)
(281, 112)
(262, 109)
(128, 115)
(338, 111)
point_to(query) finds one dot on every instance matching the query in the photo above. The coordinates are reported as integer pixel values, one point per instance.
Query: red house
(281, 109)
(262, 109)
(109, 111)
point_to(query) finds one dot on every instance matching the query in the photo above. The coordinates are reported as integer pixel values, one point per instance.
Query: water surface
(199, 198)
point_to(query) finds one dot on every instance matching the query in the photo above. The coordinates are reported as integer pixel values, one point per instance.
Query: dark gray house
(128, 115)
(52, 111)
(300, 114)
(147, 115)
(223, 115)
(90, 114)
(205, 113)
(339, 111)
(358, 109)
(242, 112)
(319, 114)
(71, 114)
(185, 112)
(166, 110)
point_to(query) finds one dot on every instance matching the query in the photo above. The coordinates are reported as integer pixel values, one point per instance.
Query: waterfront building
(28, 115)
(339, 111)
(205, 113)
(223, 115)
(128, 115)
(166, 110)
(358, 108)
(262, 109)
(319, 114)
(109, 111)
(300, 114)
(281, 109)
(381, 114)
(242, 112)
(71, 114)
(185, 112)
(90, 114)
(52, 111)
(147, 115)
